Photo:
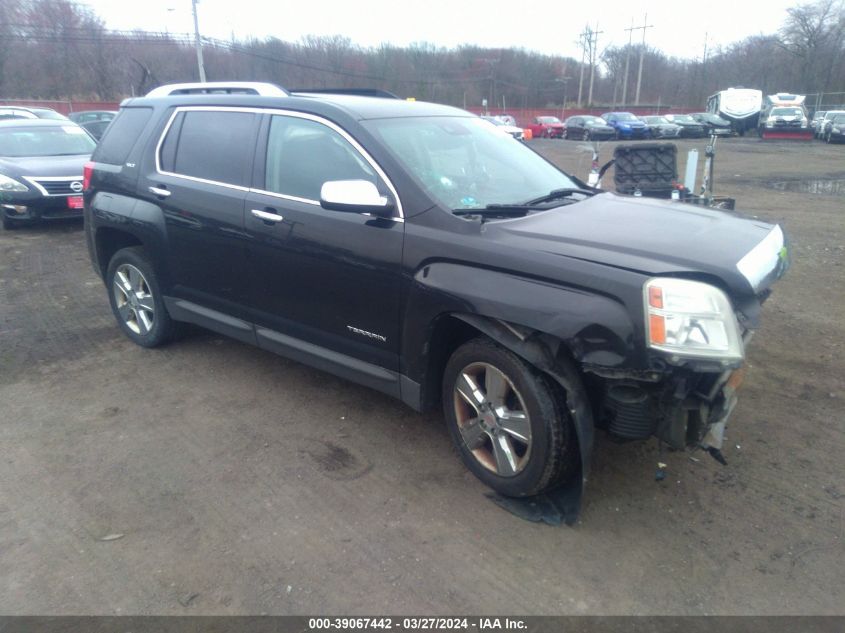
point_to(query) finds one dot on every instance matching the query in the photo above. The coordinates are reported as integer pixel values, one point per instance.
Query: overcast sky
(547, 27)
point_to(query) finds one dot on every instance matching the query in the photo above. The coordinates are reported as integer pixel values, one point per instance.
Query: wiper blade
(508, 210)
(561, 193)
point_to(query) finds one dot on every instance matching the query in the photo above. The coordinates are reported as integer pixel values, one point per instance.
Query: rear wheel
(9, 224)
(136, 299)
(507, 420)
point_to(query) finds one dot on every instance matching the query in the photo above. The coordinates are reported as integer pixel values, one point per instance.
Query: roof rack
(220, 87)
(359, 92)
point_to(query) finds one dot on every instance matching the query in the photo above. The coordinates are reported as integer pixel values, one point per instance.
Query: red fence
(65, 107)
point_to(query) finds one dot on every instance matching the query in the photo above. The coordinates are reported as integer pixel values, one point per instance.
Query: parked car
(507, 119)
(547, 127)
(38, 113)
(588, 128)
(95, 128)
(690, 128)
(410, 247)
(661, 127)
(41, 164)
(627, 126)
(834, 129)
(822, 125)
(87, 116)
(714, 125)
(15, 113)
(517, 132)
(785, 118)
(818, 117)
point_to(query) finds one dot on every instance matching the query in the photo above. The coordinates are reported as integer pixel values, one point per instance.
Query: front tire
(136, 299)
(507, 420)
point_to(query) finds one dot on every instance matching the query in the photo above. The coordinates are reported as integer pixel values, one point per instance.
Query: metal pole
(593, 46)
(563, 108)
(627, 62)
(592, 67)
(642, 55)
(583, 53)
(197, 42)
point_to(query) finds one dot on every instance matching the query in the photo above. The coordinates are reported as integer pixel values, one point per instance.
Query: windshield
(787, 112)
(64, 140)
(548, 119)
(656, 119)
(464, 163)
(594, 121)
(495, 122)
(683, 118)
(625, 116)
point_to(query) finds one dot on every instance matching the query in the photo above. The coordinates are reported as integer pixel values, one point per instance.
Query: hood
(44, 165)
(655, 237)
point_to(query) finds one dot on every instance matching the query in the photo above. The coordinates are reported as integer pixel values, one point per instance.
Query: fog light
(17, 208)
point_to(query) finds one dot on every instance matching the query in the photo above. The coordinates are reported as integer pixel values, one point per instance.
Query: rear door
(200, 179)
(328, 278)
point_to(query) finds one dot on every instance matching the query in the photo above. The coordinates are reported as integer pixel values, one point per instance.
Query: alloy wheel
(133, 298)
(492, 419)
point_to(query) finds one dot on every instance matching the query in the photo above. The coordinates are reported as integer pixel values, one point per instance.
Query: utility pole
(197, 42)
(627, 63)
(642, 55)
(564, 81)
(594, 42)
(582, 42)
(704, 66)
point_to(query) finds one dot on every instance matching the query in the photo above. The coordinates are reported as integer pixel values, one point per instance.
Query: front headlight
(10, 184)
(691, 319)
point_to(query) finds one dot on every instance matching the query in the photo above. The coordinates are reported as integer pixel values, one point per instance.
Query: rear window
(122, 135)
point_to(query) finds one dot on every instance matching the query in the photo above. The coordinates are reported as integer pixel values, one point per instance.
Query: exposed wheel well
(449, 333)
(108, 241)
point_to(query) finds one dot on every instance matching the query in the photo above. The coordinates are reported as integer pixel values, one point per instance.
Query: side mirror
(355, 196)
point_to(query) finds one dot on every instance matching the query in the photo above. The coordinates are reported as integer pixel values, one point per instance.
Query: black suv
(411, 248)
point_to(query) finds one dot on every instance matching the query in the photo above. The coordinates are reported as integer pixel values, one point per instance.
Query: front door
(330, 279)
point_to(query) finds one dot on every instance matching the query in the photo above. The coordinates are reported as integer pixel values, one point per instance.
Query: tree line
(56, 49)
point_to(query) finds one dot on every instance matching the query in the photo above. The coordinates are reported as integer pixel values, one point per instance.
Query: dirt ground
(210, 477)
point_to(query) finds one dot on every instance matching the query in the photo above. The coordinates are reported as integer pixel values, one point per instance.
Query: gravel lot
(210, 477)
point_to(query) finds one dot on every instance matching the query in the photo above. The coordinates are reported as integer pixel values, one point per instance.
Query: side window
(167, 154)
(303, 154)
(211, 145)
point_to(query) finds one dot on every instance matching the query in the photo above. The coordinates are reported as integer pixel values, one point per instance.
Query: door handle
(267, 216)
(161, 192)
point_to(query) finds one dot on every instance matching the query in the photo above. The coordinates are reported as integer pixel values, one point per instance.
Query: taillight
(87, 170)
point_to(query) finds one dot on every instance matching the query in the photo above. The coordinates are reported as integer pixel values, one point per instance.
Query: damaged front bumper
(684, 407)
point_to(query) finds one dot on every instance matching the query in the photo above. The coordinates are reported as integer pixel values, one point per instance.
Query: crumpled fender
(541, 350)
